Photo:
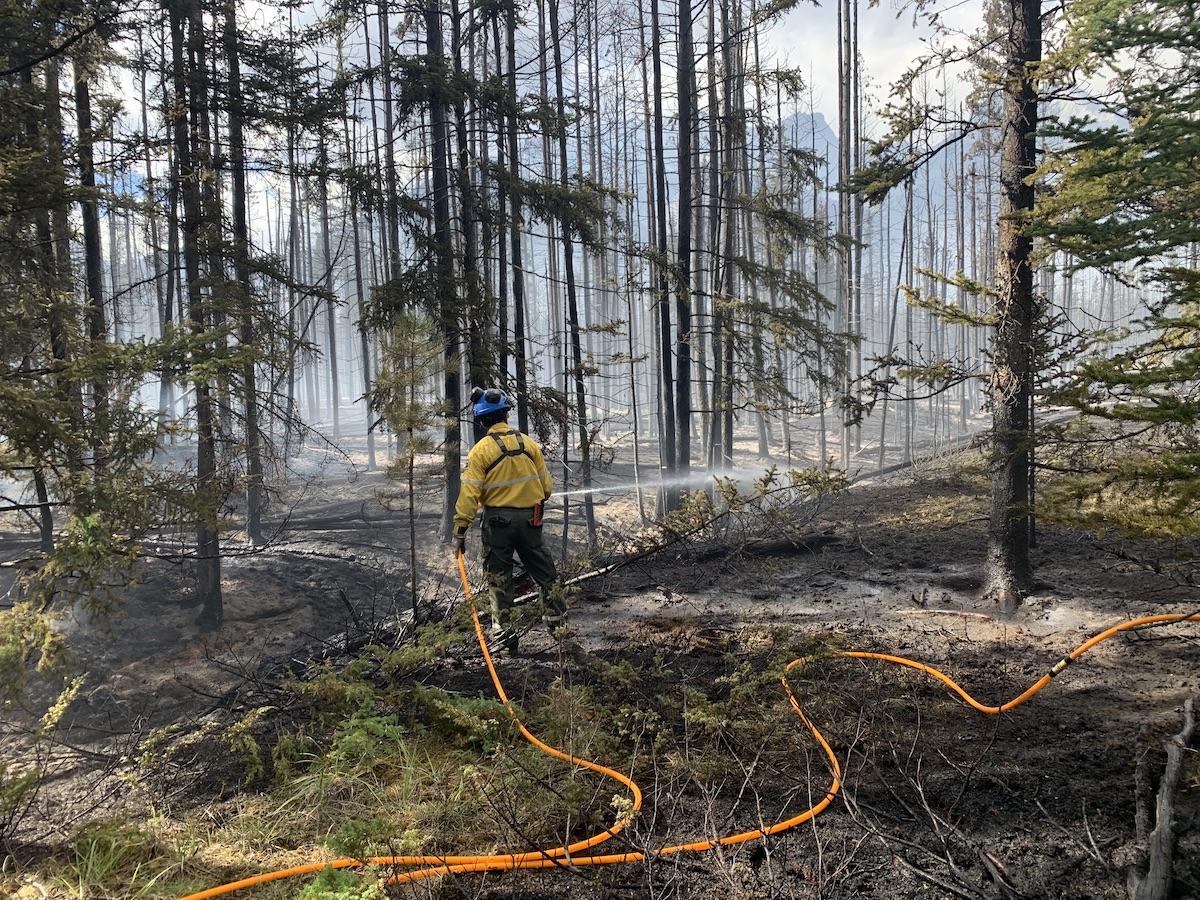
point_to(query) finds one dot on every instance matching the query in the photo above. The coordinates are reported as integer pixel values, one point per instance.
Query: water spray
(693, 480)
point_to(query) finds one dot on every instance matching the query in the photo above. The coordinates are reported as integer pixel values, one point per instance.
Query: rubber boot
(554, 616)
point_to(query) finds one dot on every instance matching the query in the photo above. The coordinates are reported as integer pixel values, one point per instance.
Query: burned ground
(322, 719)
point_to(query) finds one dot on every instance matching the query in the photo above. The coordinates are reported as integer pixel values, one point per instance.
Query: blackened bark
(1008, 570)
(241, 251)
(686, 68)
(184, 124)
(93, 266)
(45, 513)
(723, 321)
(666, 398)
(845, 140)
(515, 225)
(392, 212)
(480, 365)
(335, 390)
(444, 288)
(55, 314)
(709, 427)
(585, 442)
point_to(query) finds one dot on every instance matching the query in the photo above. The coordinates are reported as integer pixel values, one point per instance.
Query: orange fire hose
(566, 856)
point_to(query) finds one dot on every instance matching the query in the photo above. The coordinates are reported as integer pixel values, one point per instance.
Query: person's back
(506, 469)
(506, 475)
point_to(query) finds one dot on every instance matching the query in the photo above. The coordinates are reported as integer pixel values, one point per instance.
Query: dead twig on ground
(944, 612)
(1092, 851)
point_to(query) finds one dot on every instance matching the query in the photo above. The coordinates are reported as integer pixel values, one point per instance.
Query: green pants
(507, 531)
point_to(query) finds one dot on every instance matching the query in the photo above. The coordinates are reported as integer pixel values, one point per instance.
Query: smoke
(693, 480)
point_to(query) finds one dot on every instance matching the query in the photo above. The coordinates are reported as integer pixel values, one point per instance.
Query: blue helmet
(492, 400)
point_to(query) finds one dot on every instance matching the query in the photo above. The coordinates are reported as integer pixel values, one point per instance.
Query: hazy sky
(807, 39)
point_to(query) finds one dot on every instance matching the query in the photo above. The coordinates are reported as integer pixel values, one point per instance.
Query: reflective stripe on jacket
(515, 476)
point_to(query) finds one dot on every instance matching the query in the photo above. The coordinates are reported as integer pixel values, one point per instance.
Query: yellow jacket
(506, 468)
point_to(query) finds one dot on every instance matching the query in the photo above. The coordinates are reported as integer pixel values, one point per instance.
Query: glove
(459, 544)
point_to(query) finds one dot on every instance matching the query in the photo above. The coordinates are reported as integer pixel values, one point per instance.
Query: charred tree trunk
(686, 78)
(444, 274)
(515, 226)
(392, 210)
(241, 248)
(667, 396)
(480, 365)
(581, 412)
(56, 315)
(359, 289)
(162, 277)
(93, 266)
(709, 427)
(208, 558)
(723, 319)
(1008, 571)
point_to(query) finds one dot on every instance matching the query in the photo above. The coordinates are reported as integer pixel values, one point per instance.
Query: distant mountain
(812, 132)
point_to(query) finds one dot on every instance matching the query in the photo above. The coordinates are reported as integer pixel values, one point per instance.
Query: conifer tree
(1123, 200)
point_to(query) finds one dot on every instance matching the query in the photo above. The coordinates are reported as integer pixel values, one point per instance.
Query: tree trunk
(208, 559)
(293, 264)
(668, 453)
(51, 286)
(723, 330)
(335, 392)
(359, 289)
(45, 513)
(1008, 571)
(586, 303)
(585, 450)
(494, 226)
(686, 77)
(480, 361)
(203, 116)
(653, 336)
(392, 211)
(856, 210)
(515, 227)
(162, 277)
(241, 249)
(709, 427)
(57, 311)
(93, 267)
(773, 257)
(446, 303)
(845, 322)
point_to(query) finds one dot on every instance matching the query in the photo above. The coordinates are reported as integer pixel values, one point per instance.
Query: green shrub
(357, 837)
(362, 743)
(339, 884)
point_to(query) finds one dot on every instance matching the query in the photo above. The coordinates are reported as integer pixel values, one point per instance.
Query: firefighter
(506, 475)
